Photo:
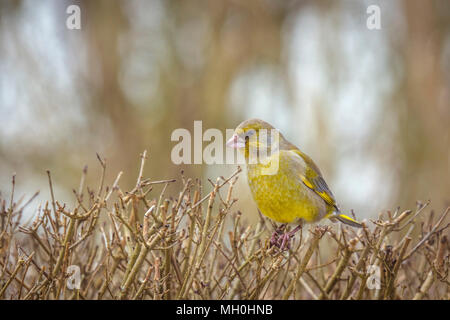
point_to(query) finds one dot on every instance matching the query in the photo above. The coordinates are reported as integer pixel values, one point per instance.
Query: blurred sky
(371, 107)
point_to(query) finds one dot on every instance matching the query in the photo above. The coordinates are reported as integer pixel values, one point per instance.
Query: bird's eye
(249, 133)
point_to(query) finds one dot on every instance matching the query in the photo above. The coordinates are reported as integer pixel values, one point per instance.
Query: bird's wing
(312, 178)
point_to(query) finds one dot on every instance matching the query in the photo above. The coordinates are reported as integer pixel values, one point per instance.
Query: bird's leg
(281, 239)
(284, 240)
(297, 228)
(276, 235)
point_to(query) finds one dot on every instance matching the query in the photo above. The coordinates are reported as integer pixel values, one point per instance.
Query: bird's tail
(346, 219)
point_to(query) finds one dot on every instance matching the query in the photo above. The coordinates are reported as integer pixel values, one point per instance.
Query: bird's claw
(282, 239)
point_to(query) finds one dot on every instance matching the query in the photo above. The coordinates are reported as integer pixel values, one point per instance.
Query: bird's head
(255, 135)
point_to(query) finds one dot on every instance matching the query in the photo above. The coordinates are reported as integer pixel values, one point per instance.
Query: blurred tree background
(372, 107)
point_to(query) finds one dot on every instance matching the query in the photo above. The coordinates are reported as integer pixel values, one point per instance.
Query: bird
(285, 183)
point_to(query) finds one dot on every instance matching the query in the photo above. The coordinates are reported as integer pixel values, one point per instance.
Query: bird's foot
(275, 238)
(282, 239)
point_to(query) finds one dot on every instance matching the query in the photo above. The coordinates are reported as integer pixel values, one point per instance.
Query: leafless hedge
(137, 245)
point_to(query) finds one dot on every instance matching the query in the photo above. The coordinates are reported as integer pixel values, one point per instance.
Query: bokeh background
(371, 107)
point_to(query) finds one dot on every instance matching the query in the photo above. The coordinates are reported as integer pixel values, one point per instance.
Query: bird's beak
(236, 142)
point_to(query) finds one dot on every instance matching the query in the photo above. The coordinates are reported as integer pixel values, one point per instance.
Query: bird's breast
(282, 196)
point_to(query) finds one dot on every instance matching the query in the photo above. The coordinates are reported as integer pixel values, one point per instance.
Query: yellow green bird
(285, 183)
